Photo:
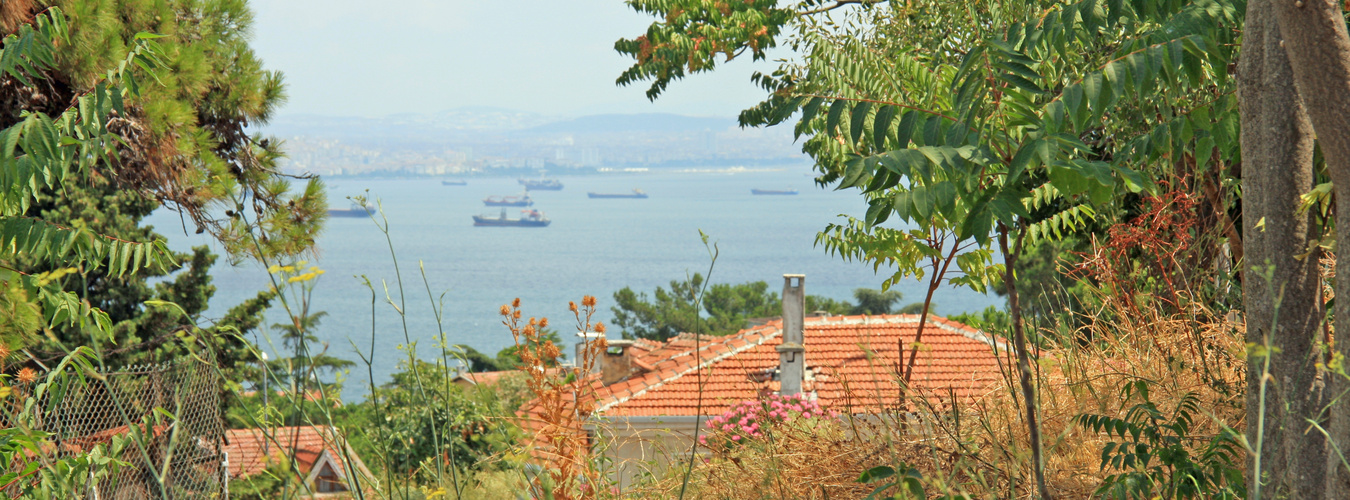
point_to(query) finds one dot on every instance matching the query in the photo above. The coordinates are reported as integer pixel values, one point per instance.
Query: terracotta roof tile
(852, 359)
(482, 378)
(251, 451)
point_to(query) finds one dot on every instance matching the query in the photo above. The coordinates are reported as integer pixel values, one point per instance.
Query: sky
(553, 57)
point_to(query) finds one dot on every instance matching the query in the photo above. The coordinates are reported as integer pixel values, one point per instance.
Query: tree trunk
(1280, 289)
(1318, 49)
(1033, 406)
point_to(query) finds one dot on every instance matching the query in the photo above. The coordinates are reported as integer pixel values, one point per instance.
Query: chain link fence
(171, 414)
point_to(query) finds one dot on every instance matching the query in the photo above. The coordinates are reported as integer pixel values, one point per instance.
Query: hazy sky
(556, 57)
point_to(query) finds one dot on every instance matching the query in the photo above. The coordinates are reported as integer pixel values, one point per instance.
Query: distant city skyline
(350, 58)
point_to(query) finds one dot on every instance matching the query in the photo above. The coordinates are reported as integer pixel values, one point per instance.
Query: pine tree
(179, 140)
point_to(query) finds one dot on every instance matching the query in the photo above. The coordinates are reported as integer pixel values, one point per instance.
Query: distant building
(323, 464)
(590, 157)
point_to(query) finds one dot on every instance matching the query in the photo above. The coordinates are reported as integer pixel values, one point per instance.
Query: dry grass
(981, 448)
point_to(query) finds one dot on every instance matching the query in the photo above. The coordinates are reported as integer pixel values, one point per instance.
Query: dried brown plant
(562, 399)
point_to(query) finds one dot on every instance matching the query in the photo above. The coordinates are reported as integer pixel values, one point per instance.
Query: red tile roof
(482, 378)
(851, 363)
(851, 366)
(246, 449)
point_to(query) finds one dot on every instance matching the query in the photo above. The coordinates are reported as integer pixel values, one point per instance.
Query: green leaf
(1067, 179)
(1072, 96)
(878, 210)
(1141, 71)
(836, 111)
(808, 113)
(1022, 83)
(853, 172)
(901, 204)
(876, 474)
(1116, 78)
(901, 162)
(923, 204)
(967, 62)
(882, 125)
(1134, 181)
(859, 117)
(1021, 70)
(932, 131)
(882, 178)
(905, 131)
(943, 195)
(1092, 91)
(1024, 159)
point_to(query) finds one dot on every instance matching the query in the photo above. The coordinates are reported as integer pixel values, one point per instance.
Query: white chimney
(791, 353)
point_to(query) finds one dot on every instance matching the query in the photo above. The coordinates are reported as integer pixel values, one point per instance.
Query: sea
(593, 247)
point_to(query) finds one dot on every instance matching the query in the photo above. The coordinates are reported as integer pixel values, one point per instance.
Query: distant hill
(487, 120)
(643, 122)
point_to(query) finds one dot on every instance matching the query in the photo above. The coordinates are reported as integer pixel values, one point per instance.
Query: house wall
(640, 448)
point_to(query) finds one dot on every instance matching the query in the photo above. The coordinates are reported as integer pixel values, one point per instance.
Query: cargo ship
(528, 218)
(357, 210)
(637, 193)
(541, 184)
(458, 182)
(509, 201)
(773, 191)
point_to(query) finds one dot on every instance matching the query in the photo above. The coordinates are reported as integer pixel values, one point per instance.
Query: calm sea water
(594, 247)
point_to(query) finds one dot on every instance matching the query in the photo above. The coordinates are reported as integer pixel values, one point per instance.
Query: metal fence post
(225, 473)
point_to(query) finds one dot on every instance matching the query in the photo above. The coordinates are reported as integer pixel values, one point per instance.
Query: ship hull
(349, 213)
(773, 192)
(491, 222)
(541, 185)
(454, 183)
(619, 195)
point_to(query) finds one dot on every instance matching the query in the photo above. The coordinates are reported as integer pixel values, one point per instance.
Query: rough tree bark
(1318, 48)
(1283, 311)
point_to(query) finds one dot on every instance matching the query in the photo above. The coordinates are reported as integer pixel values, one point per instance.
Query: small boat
(357, 210)
(773, 191)
(509, 201)
(637, 193)
(528, 218)
(541, 184)
(458, 182)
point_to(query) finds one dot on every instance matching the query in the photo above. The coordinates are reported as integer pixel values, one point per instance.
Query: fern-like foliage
(62, 245)
(1152, 455)
(59, 307)
(42, 152)
(31, 49)
(694, 33)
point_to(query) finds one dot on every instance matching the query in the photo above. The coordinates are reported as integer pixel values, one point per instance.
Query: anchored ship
(528, 218)
(541, 184)
(509, 201)
(357, 210)
(773, 191)
(458, 182)
(637, 193)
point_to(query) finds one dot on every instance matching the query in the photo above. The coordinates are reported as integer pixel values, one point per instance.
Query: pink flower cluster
(751, 419)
